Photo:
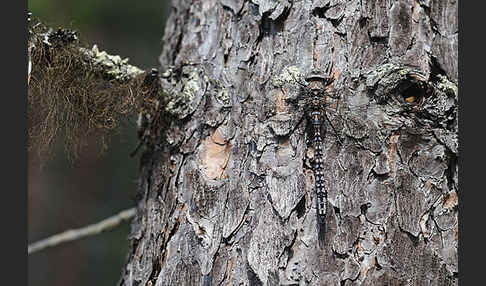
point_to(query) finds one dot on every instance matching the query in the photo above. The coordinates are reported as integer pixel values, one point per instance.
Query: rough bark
(226, 192)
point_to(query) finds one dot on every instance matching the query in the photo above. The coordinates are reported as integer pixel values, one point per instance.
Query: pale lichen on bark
(113, 65)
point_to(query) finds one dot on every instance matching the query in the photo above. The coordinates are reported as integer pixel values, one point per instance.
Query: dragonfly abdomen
(318, 168)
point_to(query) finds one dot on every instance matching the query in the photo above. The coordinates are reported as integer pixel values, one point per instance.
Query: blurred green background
(62, 195)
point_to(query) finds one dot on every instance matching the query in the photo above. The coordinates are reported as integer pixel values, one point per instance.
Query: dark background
(63, 195)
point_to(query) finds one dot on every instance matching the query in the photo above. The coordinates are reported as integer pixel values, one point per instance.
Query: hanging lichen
(76, 93)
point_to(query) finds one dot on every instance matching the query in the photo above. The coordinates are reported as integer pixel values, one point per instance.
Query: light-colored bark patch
(215, 156)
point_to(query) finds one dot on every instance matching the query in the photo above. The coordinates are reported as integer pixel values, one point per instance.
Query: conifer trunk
(226, 193)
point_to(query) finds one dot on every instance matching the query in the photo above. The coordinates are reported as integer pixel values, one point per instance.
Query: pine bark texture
(226, 193)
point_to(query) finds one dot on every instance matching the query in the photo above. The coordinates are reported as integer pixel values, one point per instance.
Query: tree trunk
(227, 192)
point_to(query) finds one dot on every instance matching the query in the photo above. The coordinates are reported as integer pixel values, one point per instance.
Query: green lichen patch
(223, 97)
(114, 66)
(447, 86)
(186, 95)
(288, 75)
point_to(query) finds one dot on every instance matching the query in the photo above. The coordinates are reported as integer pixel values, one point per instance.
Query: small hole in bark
(414, 93)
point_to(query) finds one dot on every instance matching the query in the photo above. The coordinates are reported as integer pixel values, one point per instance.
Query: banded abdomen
(321, 195)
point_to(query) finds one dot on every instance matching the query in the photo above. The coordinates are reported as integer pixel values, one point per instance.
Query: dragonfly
(313, 100)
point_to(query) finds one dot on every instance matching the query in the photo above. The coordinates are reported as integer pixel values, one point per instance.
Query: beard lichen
(76, 94)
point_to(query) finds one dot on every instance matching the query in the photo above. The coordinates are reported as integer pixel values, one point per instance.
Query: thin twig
(74, 234)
